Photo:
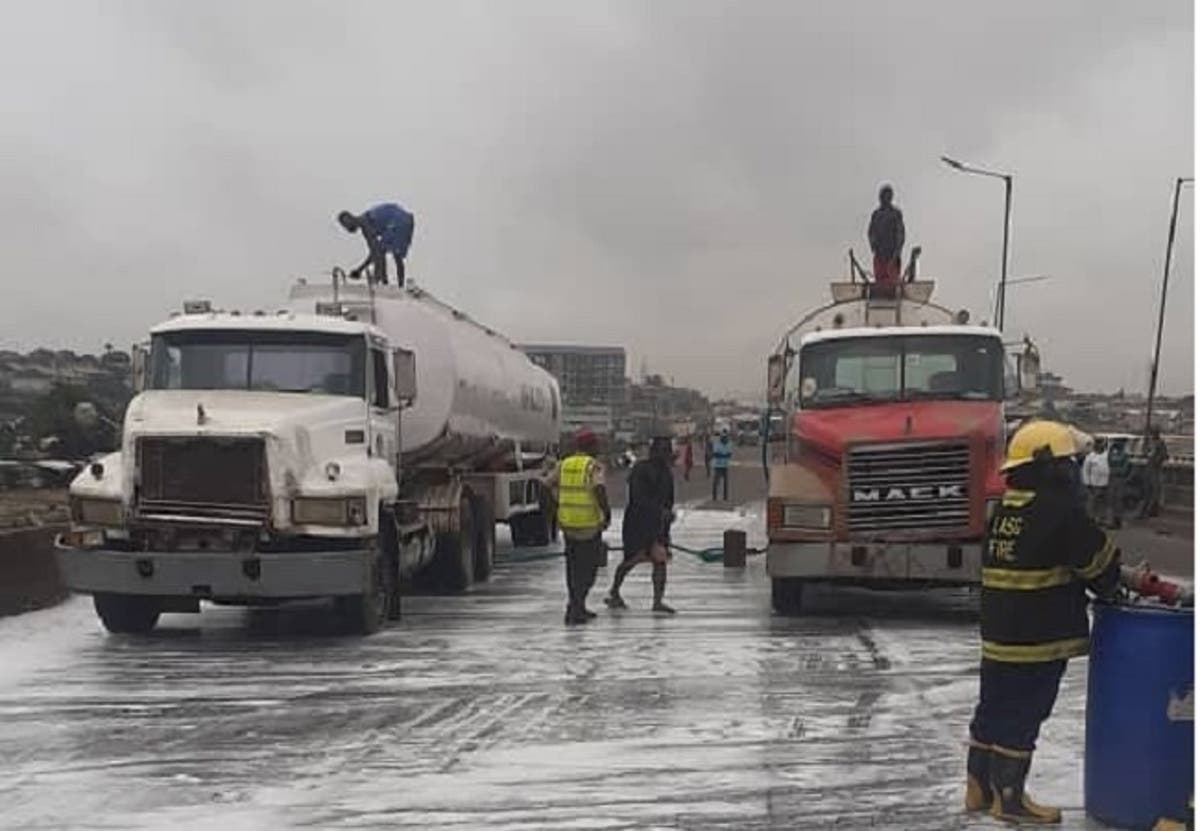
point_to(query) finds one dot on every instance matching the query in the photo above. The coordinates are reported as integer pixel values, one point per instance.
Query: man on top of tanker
(386, 228)
(886, 235)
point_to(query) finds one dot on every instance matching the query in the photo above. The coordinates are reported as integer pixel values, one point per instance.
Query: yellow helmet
(1058, 439)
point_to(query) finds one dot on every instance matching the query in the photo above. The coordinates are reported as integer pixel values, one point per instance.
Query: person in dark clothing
(1156, 457)
(646, 528)
(886, 235)
(1042, 554)
(1119, 469)
(386, 228)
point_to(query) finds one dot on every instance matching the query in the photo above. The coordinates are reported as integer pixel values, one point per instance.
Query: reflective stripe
(1026, 579)
(1017, 499)
(1010, 753)
(1011, 653)
(578, 508)
(1101, 561)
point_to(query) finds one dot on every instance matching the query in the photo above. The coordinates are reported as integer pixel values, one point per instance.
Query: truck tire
(126, 614)
(787, 594)
(454, 553)
(367, 613)
(485, 538)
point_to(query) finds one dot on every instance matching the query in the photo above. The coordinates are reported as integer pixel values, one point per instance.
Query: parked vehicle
(367, 435)
(895, 410)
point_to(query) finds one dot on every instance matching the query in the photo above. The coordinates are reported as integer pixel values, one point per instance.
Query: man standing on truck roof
(583, 513)
(387, 228)
(646, 527)
(1041, 552)
(886, 235)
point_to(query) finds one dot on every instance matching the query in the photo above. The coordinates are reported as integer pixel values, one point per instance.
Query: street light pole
(963, 167)
(1162, 303)
(1004, 252)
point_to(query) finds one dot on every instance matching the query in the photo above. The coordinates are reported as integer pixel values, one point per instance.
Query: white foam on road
(482, 710)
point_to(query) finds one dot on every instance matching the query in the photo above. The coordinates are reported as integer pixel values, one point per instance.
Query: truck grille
(909, 487)
(203, 479)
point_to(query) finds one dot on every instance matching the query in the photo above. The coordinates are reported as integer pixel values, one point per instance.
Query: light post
(1008, 183)
(1162, 303)
(1014, 281)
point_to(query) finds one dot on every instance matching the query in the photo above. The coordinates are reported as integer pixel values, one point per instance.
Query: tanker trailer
(486, 418)
(369, 436)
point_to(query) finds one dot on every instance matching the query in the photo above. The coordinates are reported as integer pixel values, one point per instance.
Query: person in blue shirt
(722, 451)
(387, 229)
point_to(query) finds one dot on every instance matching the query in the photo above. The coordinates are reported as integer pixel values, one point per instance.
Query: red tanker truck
(896, 434)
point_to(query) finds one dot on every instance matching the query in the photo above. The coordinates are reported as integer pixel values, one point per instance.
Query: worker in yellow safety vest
(578, 490)
(1042, 551)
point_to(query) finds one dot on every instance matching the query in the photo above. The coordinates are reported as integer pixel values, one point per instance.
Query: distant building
(587, 375)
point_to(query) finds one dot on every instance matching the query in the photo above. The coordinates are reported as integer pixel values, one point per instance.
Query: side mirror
(776, 379)
(138, 358)
(404, 364)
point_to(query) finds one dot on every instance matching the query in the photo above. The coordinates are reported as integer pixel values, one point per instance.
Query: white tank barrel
(479, 398)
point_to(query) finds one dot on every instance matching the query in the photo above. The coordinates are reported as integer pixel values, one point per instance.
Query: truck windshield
(835, 373)
(312, 362)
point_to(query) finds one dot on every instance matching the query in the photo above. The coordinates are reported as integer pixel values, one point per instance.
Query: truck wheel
(454, 557)
(787, 594)
(485, 538)
(365, 614)
(126, 614)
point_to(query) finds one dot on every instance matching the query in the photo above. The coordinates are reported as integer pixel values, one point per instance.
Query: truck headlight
(97, 511)
(807, 516)
(341, 510)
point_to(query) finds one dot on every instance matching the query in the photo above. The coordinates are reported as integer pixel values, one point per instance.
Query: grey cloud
(679, 177)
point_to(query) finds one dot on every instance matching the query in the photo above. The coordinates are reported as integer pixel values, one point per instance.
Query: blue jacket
(394, 227)
(722, 450)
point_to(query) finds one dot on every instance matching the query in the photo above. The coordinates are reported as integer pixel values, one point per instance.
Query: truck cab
(259, 462)
(895, 437)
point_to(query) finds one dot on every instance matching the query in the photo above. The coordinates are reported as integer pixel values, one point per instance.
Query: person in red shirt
(688, 460)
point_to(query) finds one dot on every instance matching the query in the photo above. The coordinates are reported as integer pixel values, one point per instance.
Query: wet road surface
(485, 711)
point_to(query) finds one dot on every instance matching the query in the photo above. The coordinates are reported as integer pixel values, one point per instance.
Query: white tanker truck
(364, 436)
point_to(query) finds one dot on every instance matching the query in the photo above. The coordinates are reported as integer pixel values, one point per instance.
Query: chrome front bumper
(211, 574)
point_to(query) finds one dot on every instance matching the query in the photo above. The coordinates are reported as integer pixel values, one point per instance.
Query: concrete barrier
(29, 576)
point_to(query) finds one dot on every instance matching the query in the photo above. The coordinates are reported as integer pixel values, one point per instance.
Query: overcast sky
(680, 178)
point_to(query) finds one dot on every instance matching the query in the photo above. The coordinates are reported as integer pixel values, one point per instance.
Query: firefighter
(583, 515)
(646, 526)
(1042, 550)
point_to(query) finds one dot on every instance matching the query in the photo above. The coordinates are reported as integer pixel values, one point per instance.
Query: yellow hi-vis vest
(578, 508)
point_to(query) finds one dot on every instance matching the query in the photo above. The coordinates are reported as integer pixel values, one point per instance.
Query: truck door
(384, 426)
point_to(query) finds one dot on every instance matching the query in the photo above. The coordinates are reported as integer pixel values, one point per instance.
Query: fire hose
(1139, 580)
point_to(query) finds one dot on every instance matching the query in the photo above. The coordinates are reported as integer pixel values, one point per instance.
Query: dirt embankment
(29, 577)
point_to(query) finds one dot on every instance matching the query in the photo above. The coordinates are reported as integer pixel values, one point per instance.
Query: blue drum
(1138, 757)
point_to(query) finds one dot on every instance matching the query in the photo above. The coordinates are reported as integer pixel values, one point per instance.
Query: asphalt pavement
(484, 711)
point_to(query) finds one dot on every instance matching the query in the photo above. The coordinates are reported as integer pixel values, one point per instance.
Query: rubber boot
(979, 777)
(1010, 803)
